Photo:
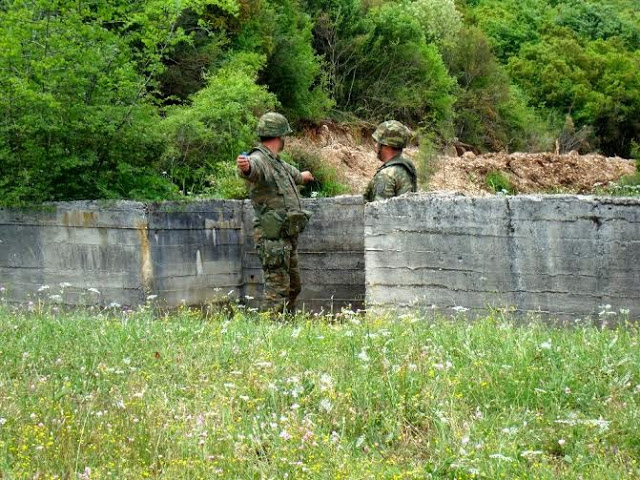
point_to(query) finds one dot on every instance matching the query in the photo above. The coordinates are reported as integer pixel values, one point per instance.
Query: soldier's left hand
(306, 176)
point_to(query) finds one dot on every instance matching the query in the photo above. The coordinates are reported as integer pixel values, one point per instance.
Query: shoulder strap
(411, 170)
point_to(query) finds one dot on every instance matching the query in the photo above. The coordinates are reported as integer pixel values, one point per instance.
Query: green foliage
(218, 125)
(490, 113)
(598, 82)
(511, 23)
(293, 71)
(635, 152)
(499, 182)
(73, 110)
(440, 20)
(598, 20)
(397, 74)
(327, 183)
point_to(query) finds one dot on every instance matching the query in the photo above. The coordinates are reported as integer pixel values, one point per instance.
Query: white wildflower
(65, 285)
(459, 309)
(359, 441)
(2, 421)
(363, 355)
(326, 382)
(55, 298)
(326, 405)
(531, 453)
(152, 297)
(562, 441)
(546, 345)
(43, 288)
(285, 435)
(93, 290)
(499, 456)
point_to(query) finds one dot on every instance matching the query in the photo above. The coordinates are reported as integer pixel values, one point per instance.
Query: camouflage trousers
(279, 259)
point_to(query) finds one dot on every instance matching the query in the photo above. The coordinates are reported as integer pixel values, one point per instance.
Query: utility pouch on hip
(272, 224)
(295, 222)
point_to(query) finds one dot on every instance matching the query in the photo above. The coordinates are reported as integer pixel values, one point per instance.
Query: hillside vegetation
(153, 100)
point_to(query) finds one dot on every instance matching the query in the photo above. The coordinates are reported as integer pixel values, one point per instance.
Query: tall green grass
(194, 394)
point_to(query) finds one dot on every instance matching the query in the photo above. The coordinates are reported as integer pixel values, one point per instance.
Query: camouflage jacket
(272, 183)
(395, 177)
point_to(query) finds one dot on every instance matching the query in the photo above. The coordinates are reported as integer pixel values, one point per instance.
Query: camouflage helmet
(273, 124)
(391, 133)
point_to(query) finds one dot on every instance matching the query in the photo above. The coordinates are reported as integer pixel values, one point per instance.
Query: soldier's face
(281, 144)
(379, 151)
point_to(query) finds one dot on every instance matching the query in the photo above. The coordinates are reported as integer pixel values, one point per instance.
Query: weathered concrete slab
(562, 255)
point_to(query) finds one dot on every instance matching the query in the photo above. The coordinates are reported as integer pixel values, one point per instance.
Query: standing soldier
(397, 175)
(279, 216)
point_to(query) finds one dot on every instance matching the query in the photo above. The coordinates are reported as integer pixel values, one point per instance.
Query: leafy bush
(498, 182)
(490, 113)
(398, 75)
(440, 19)
(75, 119)
(205, 137)
(598, 82)
(281, 31)
(327, 183)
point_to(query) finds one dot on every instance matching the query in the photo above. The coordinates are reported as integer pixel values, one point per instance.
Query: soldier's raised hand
(306, 176)
(243, 163)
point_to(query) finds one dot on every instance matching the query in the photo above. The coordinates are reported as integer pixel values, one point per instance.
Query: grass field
(144, 394)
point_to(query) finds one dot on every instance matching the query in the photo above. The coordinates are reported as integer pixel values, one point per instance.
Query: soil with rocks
(352, 155)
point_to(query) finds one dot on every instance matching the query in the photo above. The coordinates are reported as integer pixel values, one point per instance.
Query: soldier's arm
(295, 173)
(256, 169)
(384, 185)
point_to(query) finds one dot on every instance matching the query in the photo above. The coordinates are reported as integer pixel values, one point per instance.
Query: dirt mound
(351, 152)
(529, 172)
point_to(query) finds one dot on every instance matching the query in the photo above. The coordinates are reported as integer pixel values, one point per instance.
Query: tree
(205, 137)
(75, 117)
(597, 82)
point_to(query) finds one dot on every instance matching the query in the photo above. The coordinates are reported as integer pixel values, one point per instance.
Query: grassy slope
(182, 396)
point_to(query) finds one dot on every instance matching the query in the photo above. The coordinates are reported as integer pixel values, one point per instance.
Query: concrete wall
(563, 255)
(193, 252)
(85, 244)
(556, 254)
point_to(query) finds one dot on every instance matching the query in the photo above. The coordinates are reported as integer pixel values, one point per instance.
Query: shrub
(75, 119)
(206, 136)
(498, 182)
(327, 183)
(427, 159)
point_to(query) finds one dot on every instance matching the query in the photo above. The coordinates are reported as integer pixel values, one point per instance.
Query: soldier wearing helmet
(397, 175)
(279, 216)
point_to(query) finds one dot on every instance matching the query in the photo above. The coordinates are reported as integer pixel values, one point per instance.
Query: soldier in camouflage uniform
(397, 175)
(279, 216)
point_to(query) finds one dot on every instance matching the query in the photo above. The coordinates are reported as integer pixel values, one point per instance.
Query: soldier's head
(391, 137)
(272, 128)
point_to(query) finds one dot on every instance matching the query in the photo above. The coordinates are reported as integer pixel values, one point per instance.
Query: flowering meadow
(198, 394)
